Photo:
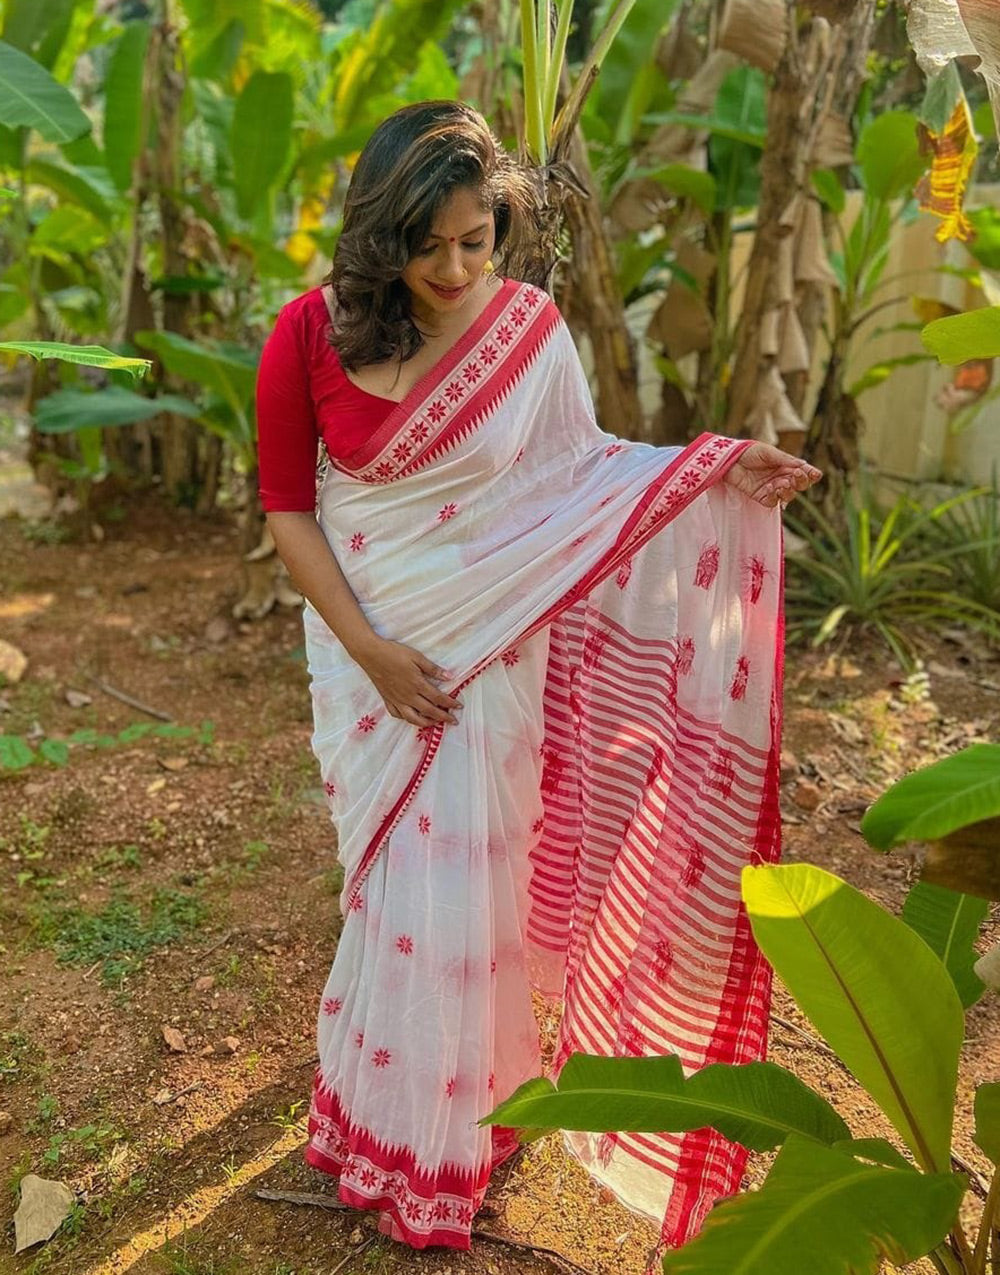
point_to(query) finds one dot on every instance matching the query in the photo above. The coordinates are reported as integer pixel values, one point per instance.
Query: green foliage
(31, 98)
(261, 136)
(967, 537)
(72, 409)
(961, 337)
(889, 155)
(758, 1105)
(878, 574)
(937, 800)
(823, 1212)
(87, 355)
(949, 922)
(17, 754)
(124, 114)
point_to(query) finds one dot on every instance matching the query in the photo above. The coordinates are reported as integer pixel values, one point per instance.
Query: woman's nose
(452, 268)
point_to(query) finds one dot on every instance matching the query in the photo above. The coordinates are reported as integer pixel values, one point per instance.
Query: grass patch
(121, 933)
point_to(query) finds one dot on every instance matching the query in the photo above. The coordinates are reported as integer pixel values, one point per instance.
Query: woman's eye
(473, 246)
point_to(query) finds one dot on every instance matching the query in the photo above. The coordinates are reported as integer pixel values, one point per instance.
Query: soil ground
(190, 882)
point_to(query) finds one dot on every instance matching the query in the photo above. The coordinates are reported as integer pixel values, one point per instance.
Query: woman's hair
(413, 162)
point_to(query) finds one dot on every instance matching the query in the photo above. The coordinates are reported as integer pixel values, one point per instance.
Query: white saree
(610, 613)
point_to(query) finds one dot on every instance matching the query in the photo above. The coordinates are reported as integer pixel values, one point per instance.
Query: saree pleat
(610, 615)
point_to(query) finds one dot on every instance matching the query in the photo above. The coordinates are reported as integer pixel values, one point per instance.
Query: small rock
(156, 786)
(13, 661)
(206, 1052)
(789, 765)
(6, 1122)
(205, 983)
(174, 1040)
(806, 795)
(70, 1044)
(78, 699)
(227, 1045)
(44, 1206)
(173, 763)
(217, 630)
(356, 1236)
(156, 643)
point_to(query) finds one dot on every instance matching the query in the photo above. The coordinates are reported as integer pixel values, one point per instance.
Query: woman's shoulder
(307, 319)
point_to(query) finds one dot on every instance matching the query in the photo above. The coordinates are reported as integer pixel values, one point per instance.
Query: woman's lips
(447, 293)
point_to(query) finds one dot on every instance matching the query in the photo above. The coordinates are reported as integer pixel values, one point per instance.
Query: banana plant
(884, 995)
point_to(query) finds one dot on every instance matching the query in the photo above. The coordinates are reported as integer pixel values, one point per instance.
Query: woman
(545, 678)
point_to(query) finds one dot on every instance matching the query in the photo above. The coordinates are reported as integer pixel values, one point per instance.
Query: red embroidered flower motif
(425, 734)
(538, 825)
(489, 353)
(719, 444)
(605, 1147)
(405, 944)
(614, 449)
(441, 1212)
(424, 824)
(368, 1178)
(450, 1087)
(519, 316)
(388, 1183)
(437, 411)
(491, 1082)
(413, 1210)
(531, 297)
(330, 789)
(332, 1005)
(723, 774)
(593, 649)
(690, 478)
(381, 1058)
(505, 334)
(448, 511)
(419, 430)
(708, 566)
(357, 542)
(463, 1214)
(472, 372)
(401, 451)
(705, 459)
(384, 470)
(755, 573)
(738, 688)
(455, 390)
(510, 657)
(356, 904)
(366, 724)
(694, 867)
(517, 458)
(685, 655)
(624, 573)
(359, 1040)
(663, 959)
(552, 771)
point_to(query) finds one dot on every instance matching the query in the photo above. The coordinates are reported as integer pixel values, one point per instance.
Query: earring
(489, 268)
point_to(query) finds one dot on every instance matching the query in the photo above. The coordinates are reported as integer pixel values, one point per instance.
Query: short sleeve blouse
(304, 397)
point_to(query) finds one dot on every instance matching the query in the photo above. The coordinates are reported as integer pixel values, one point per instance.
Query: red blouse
(304, 395)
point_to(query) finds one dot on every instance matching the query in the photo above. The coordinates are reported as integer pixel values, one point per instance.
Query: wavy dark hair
(409, 167)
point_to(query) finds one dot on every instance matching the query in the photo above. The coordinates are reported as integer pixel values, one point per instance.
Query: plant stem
(945, 1261)
(991, 1217)
(534, 133)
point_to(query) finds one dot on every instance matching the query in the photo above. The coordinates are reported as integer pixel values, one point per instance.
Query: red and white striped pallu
(610, 613)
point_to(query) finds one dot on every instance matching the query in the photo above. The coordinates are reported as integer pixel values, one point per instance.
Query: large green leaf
(930, 803)
(985, 243)
(30, 97)
(38, 29)
(949, 923)
(873, 989)
(630, 79)
(68, 410)
(889, 155)
(757, 1104)
(825, 1213)
(87, 355)
(960, 337)
(123, 105)
(261, 137)
(226, 370)
(68, 229)
(987, 1110)
(81, 186)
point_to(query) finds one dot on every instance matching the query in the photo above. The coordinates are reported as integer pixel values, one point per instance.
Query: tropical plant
(877, 571)
(887, 995)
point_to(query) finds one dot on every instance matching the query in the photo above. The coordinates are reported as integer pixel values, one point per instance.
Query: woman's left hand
(770, 476)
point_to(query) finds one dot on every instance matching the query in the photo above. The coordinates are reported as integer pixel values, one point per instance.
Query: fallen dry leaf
(156, 786)
(13, 662)
(44, 1207)
(173, 763)
(162, 1097)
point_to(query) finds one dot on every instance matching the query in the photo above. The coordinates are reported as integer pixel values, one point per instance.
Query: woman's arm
(401, 675)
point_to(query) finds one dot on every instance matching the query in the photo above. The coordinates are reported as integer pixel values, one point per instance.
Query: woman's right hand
(402, 676)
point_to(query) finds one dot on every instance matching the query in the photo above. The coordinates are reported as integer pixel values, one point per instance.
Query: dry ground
(211, 855)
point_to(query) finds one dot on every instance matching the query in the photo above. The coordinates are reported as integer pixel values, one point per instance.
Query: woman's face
(444, 270)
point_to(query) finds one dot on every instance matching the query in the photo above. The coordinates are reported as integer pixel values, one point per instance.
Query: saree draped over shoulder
(610, 614)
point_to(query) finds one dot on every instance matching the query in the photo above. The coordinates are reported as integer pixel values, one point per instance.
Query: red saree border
(454, 396)
(699, 466)
(389, 1177)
